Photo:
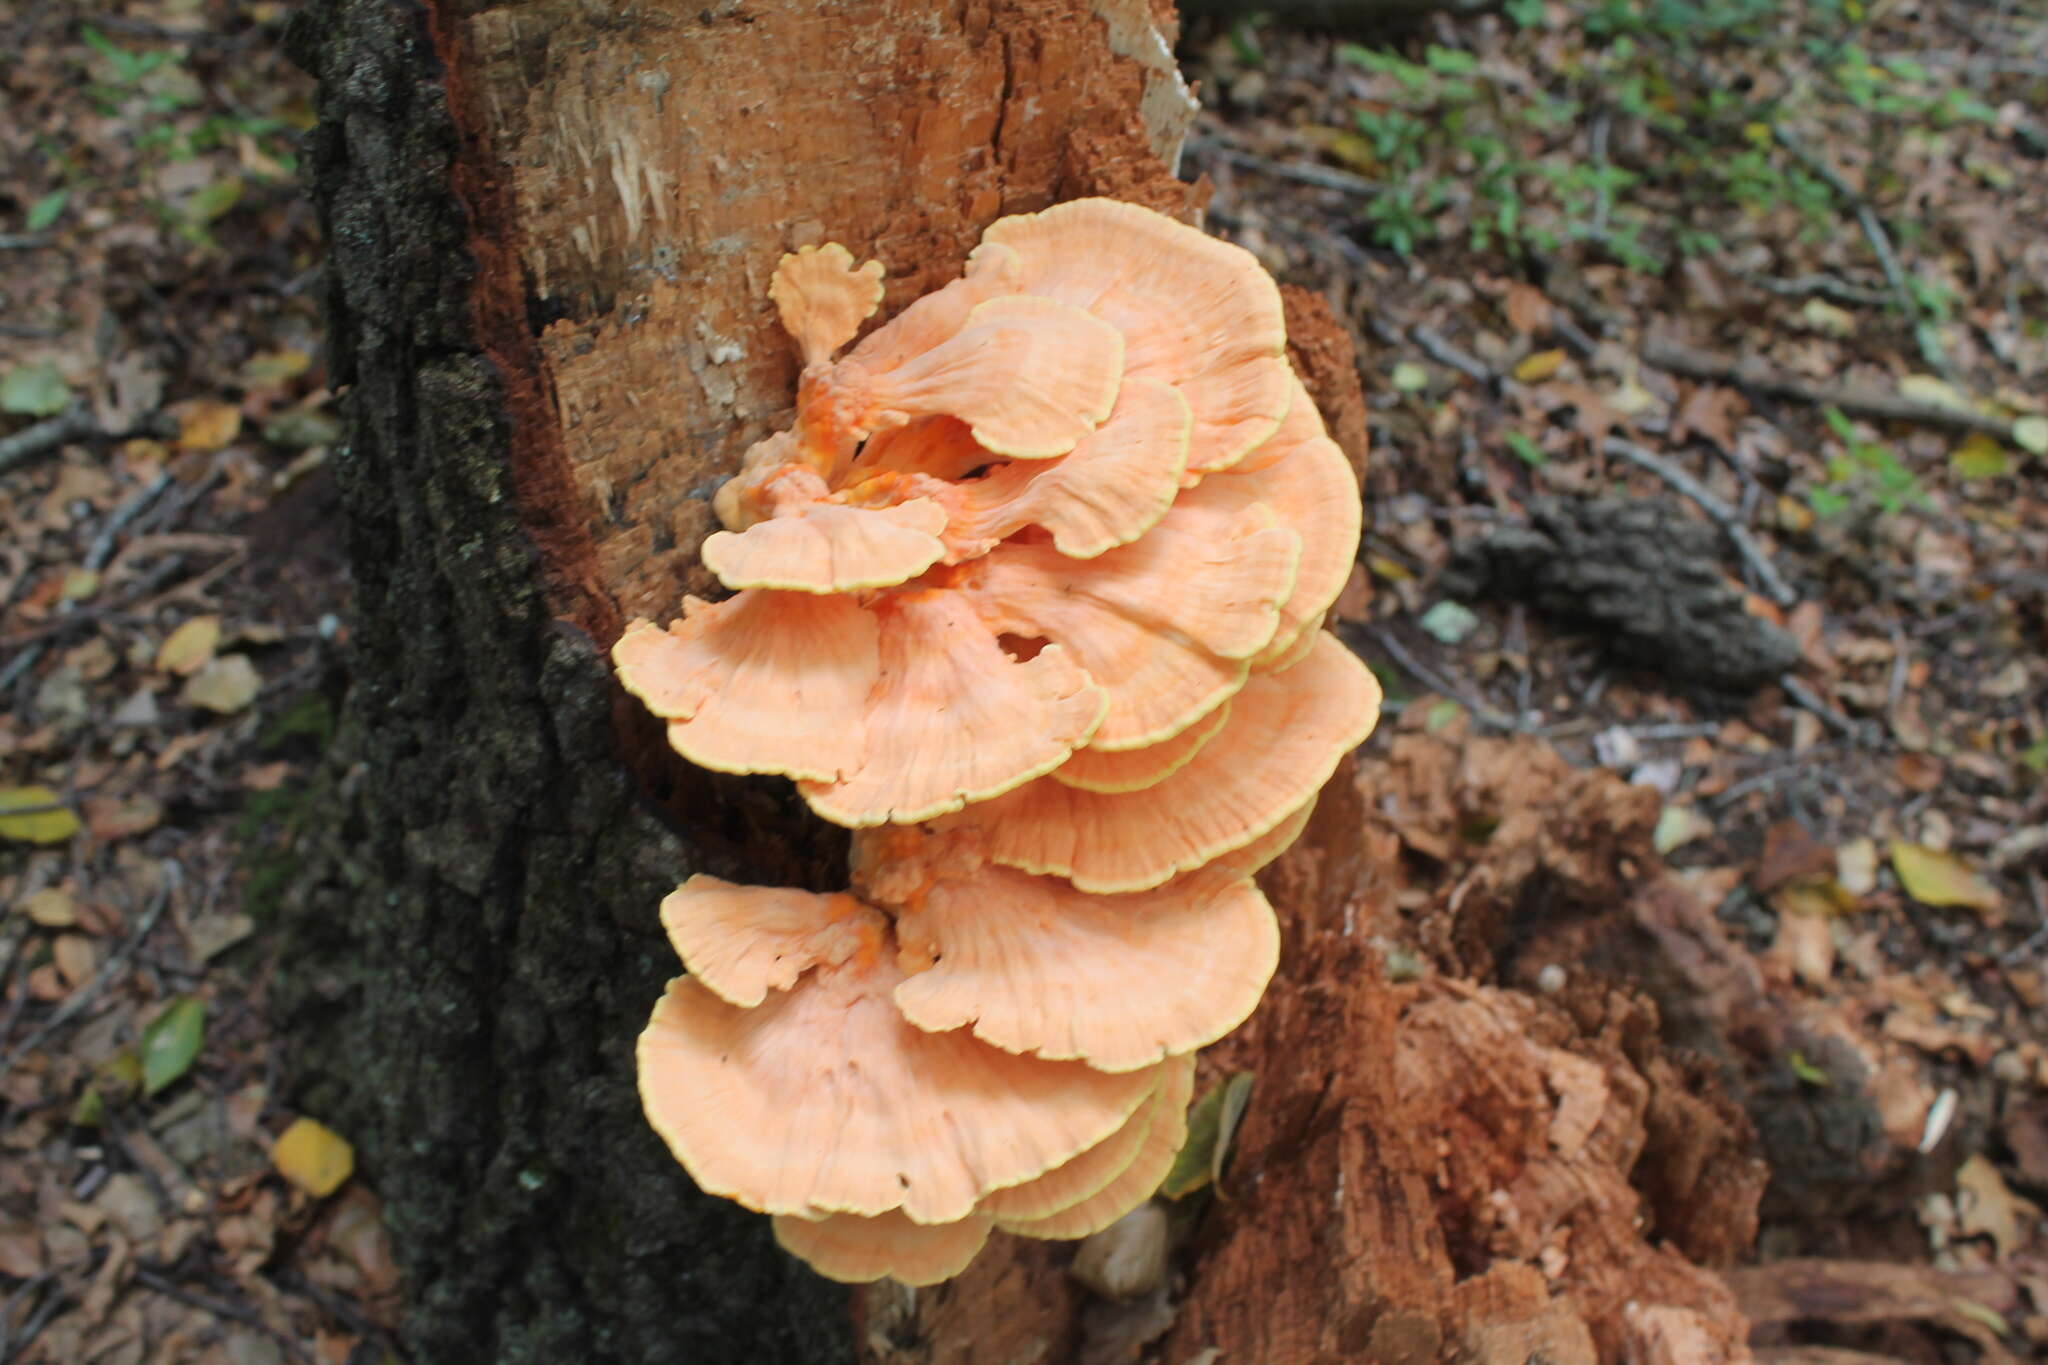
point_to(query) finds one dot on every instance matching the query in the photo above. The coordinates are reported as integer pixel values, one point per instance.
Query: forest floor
(1777, 271)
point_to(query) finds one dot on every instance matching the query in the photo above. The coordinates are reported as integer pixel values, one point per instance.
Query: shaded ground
(1584, 255)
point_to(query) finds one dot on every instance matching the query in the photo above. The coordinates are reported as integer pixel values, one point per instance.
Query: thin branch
(1439, 348)
(1774, 586)
(46, 435)
(1438, 683)
(1797, 689)
(1753, 373)
(1880, 242)
(1304, 173)
(79, 998)
(1823, 286)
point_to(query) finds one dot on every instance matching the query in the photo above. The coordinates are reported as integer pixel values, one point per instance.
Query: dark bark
(475, 945)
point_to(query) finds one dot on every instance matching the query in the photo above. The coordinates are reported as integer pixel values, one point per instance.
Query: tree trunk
(551, 226)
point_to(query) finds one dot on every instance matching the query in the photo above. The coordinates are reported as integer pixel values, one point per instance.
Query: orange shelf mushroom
(1030, 596)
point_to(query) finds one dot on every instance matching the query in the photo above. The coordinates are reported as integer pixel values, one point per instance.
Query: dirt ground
(1763, 287)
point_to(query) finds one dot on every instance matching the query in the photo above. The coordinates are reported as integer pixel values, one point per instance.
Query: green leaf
(1527, 450)
(1211, 1124)
(2035, 756)
(45, 210)
(44, 819)
(1450, 61)
(1980, 457)
(1449, 622)
(1839, 423)
(171, 1042)
(214, 200)
(1807, 1071)
(34, 391)
(1408, 377)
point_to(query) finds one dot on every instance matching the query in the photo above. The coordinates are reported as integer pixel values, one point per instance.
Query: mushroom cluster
(1030, 597)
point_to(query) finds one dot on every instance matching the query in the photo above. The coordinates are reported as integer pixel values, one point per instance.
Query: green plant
(1863, 469)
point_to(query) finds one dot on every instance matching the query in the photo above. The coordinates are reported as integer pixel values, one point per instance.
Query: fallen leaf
(2031, 434)
(1679, 826)
(1528, 310)
(1933, 877)
(313, 1157)
(1979, 457)
(1210, 1125)
(34, 391)
(171, 1042)
(42, 818)
(1819, 315)
(1925, 388)
(21, 1252)
(226, 685)
(51, 908)
(76, 956)
(274, 369)
(119, 817)
(1449, 622)
(1539, 366)
(189, 648)
(206, 425)
(1409, 377)
(1856, 866)
(1791, 854)
(1986, 1207)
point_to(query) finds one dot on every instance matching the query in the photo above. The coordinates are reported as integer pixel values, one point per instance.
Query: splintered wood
(634, 236)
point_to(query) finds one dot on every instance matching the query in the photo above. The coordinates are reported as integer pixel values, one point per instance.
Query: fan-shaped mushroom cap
(1087, 1174)
(744, 941)
(1278, 659)
(1246, 861)
(1285, 735)
(825, 1099)
(1311, 487)
(826, 548)
(1114, 486)
(1164, 1137)
(1113, 771)
(823, 299)
(1120, 982)
(1167, 624)
(764, 682)
(953, 718)
(1029, 376)
(744, 498)
(855, 1250)
(1197, 313)
(938, 447)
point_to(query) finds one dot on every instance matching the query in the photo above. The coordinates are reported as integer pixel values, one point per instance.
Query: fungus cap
(1111, 489)
(1195, 312)
(1285, 735)
(1166, 624)
(1087, 1174)
(826, 548)
(764, 682)
(823, 298)
(853, 1249)
(1113, 771)
(954, 719)
(824, 1099)
(744, 941)
(1120, 982)
(1137, 1182)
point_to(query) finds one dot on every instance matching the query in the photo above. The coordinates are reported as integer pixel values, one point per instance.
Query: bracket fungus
(1029, 596)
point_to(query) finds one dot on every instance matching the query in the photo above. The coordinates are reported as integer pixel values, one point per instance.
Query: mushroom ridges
(1029, 596)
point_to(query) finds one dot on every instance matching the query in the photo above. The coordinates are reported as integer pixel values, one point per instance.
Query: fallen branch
(1424, 674)
(1774, 586)
(1302, 173)
(46, 435)
(1880, 242)
(1751, 372)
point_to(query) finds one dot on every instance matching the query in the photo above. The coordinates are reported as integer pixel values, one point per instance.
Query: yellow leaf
(314, 1157)
(37, 823)
(51, 908)
(1933, 877)
(79, 584)
(208, 425)
(190, 646)
(1925, 388)
(1979, 457)
(272, 369)
(225, 685)
(1392, 570)
(1536, 368)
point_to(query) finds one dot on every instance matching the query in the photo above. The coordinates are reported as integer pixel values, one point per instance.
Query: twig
(25, 241)
(1796, 689)
(1305, 173)
(102, 548)
(1753, 373)
(223, 1308)
(33, 1328)
(46, 435)
(1774, 586)
(1439, 348)
(1880, 242)
(1438, 683)
(1823, 286)
(79, 998)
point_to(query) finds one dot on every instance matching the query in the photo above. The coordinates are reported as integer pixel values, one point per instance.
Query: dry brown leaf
(1987, 1208)
(207, 425)
(76, 956)
(1528, 310)
(120, 817)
